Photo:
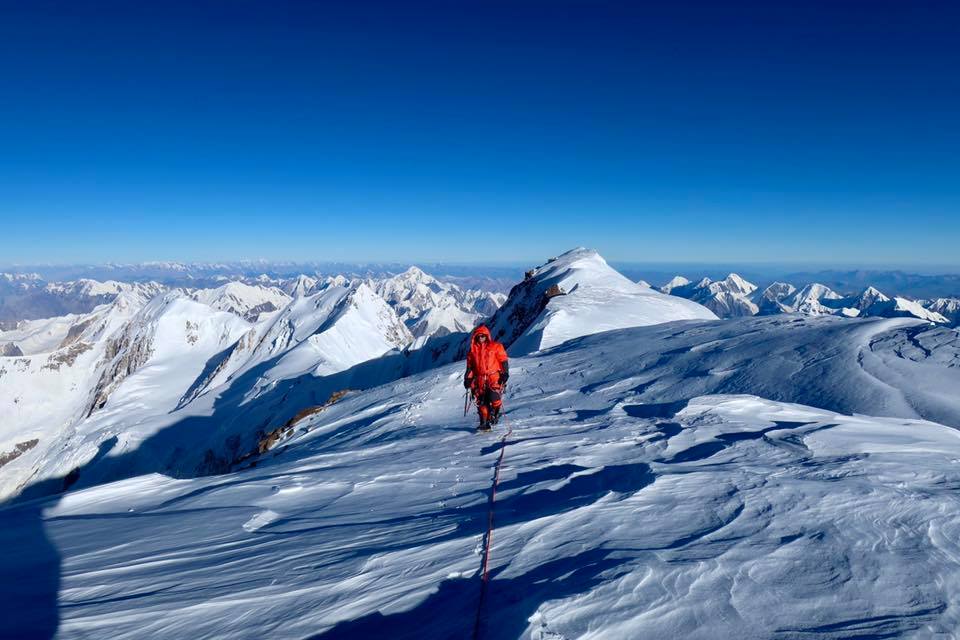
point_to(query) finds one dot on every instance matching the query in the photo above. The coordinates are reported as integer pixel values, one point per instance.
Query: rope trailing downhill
(488, 537)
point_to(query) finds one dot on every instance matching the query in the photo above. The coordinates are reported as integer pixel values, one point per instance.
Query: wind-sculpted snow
(874, 367)
(617, 516)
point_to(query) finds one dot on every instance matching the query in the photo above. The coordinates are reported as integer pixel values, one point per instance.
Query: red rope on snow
(488, 538)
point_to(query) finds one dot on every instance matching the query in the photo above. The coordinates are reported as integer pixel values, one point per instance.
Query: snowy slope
(40, 336)
(108, 289)
(949, 308)
(869, 297)
(126, 367)
(341, 326)
(902, 308)
(814, 300)
(300, 286)
(361, 326)
(577, 294)
(247, 301)
(660, 479)
(722, 516)
(43, 393)
(772, 300)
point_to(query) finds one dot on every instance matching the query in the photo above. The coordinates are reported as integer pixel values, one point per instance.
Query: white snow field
(675, 477)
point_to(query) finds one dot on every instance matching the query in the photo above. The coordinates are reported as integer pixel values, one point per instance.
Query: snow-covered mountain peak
(949, 308)
(302, 285)
(430, 307)
(869, 297)
(336, 281)
(738, 285)
(772, 300)
(332, 331)
(103, 290)
(676, 281)
(577, 294)
(810, 300)
(898, 307)
(815, 292)
(416, 274)
(247, 301)
(778, 291)
(727, 297)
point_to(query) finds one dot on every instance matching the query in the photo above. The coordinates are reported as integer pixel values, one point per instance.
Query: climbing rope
(488, 537)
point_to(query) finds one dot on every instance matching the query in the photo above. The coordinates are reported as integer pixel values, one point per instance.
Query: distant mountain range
(734, 296)
(426, 303)
(211, 274)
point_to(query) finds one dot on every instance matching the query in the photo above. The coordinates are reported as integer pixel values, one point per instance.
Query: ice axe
(467, 397)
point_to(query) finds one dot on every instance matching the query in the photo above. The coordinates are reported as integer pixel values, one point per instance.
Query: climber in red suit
(487, 372)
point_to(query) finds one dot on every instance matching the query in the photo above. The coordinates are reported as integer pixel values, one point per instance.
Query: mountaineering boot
(495, 416)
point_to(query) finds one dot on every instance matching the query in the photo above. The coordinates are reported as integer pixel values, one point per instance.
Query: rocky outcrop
(18, 450)
(10, 350)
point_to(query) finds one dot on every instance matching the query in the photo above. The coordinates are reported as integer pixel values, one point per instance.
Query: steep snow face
(578, 294)
(816, 300)
(247, 301)
(772, 299)
(721, 516)
(726, 298)
(903, 308)
(430, 307)
(46, 391)
(949, 308)
(361, 326)
(319, 335)
(736, 284)
(869, 297)
(127, 369)
(152, 375)
(298, 321)
(302, 285)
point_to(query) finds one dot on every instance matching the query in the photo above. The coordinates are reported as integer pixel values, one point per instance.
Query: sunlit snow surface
(728, 516)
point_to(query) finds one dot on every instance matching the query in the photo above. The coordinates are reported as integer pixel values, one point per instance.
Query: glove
(466, 382)
(504, 376)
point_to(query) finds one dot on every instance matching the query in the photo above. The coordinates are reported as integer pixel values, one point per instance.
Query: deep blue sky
(457, 131)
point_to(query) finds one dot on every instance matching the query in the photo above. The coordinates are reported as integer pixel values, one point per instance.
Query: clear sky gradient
(459, 131)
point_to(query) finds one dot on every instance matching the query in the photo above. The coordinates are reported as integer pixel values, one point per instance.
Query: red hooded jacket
(485, 361)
